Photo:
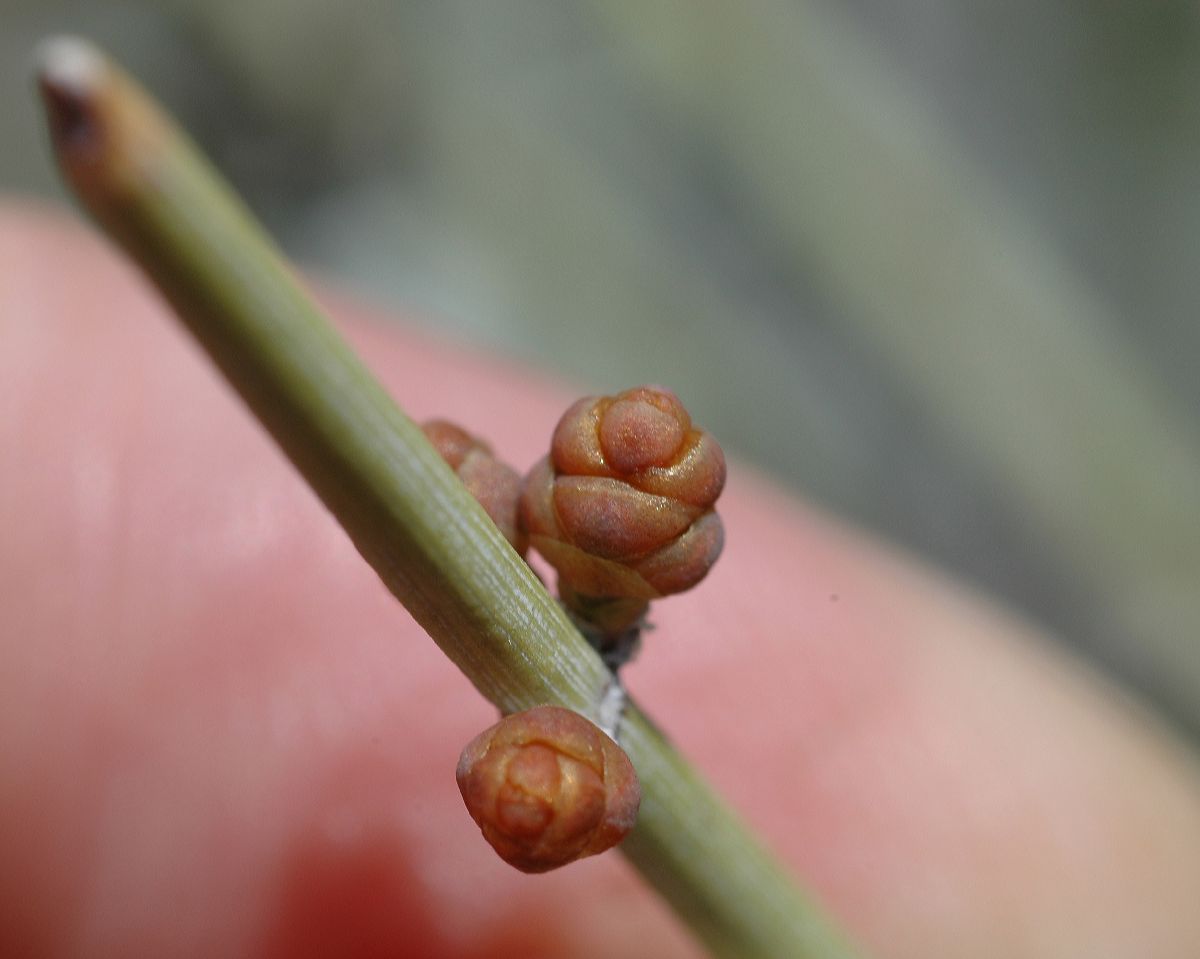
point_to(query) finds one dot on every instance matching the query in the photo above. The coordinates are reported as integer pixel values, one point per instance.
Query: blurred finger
(220, 735)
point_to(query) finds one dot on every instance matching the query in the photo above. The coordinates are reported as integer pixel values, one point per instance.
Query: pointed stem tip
(69, 74)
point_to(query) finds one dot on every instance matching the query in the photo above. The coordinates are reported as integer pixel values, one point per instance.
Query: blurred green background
(926, 261)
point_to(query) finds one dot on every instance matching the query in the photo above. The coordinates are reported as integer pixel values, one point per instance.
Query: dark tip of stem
(69, 73)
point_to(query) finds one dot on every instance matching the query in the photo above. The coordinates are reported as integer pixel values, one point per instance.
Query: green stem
(428, 540)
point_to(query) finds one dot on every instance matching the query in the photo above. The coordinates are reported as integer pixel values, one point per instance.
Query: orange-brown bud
(547, 787)
(494, 484)
(622, 507)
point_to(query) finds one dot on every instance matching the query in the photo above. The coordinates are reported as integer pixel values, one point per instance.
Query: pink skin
(220, 736)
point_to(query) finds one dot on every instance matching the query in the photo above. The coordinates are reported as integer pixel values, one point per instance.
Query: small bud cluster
(622, 508)
(547, 787)
(494, 484)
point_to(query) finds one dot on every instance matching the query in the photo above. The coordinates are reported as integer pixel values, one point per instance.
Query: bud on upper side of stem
(622, 507)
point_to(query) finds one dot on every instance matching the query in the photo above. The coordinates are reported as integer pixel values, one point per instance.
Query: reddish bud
(622, 507)
(547, 787)
(494, 484)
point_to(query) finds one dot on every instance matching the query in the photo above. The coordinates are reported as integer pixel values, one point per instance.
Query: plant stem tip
(69, 72)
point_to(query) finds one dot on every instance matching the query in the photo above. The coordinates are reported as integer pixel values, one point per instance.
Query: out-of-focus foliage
(929, 261)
